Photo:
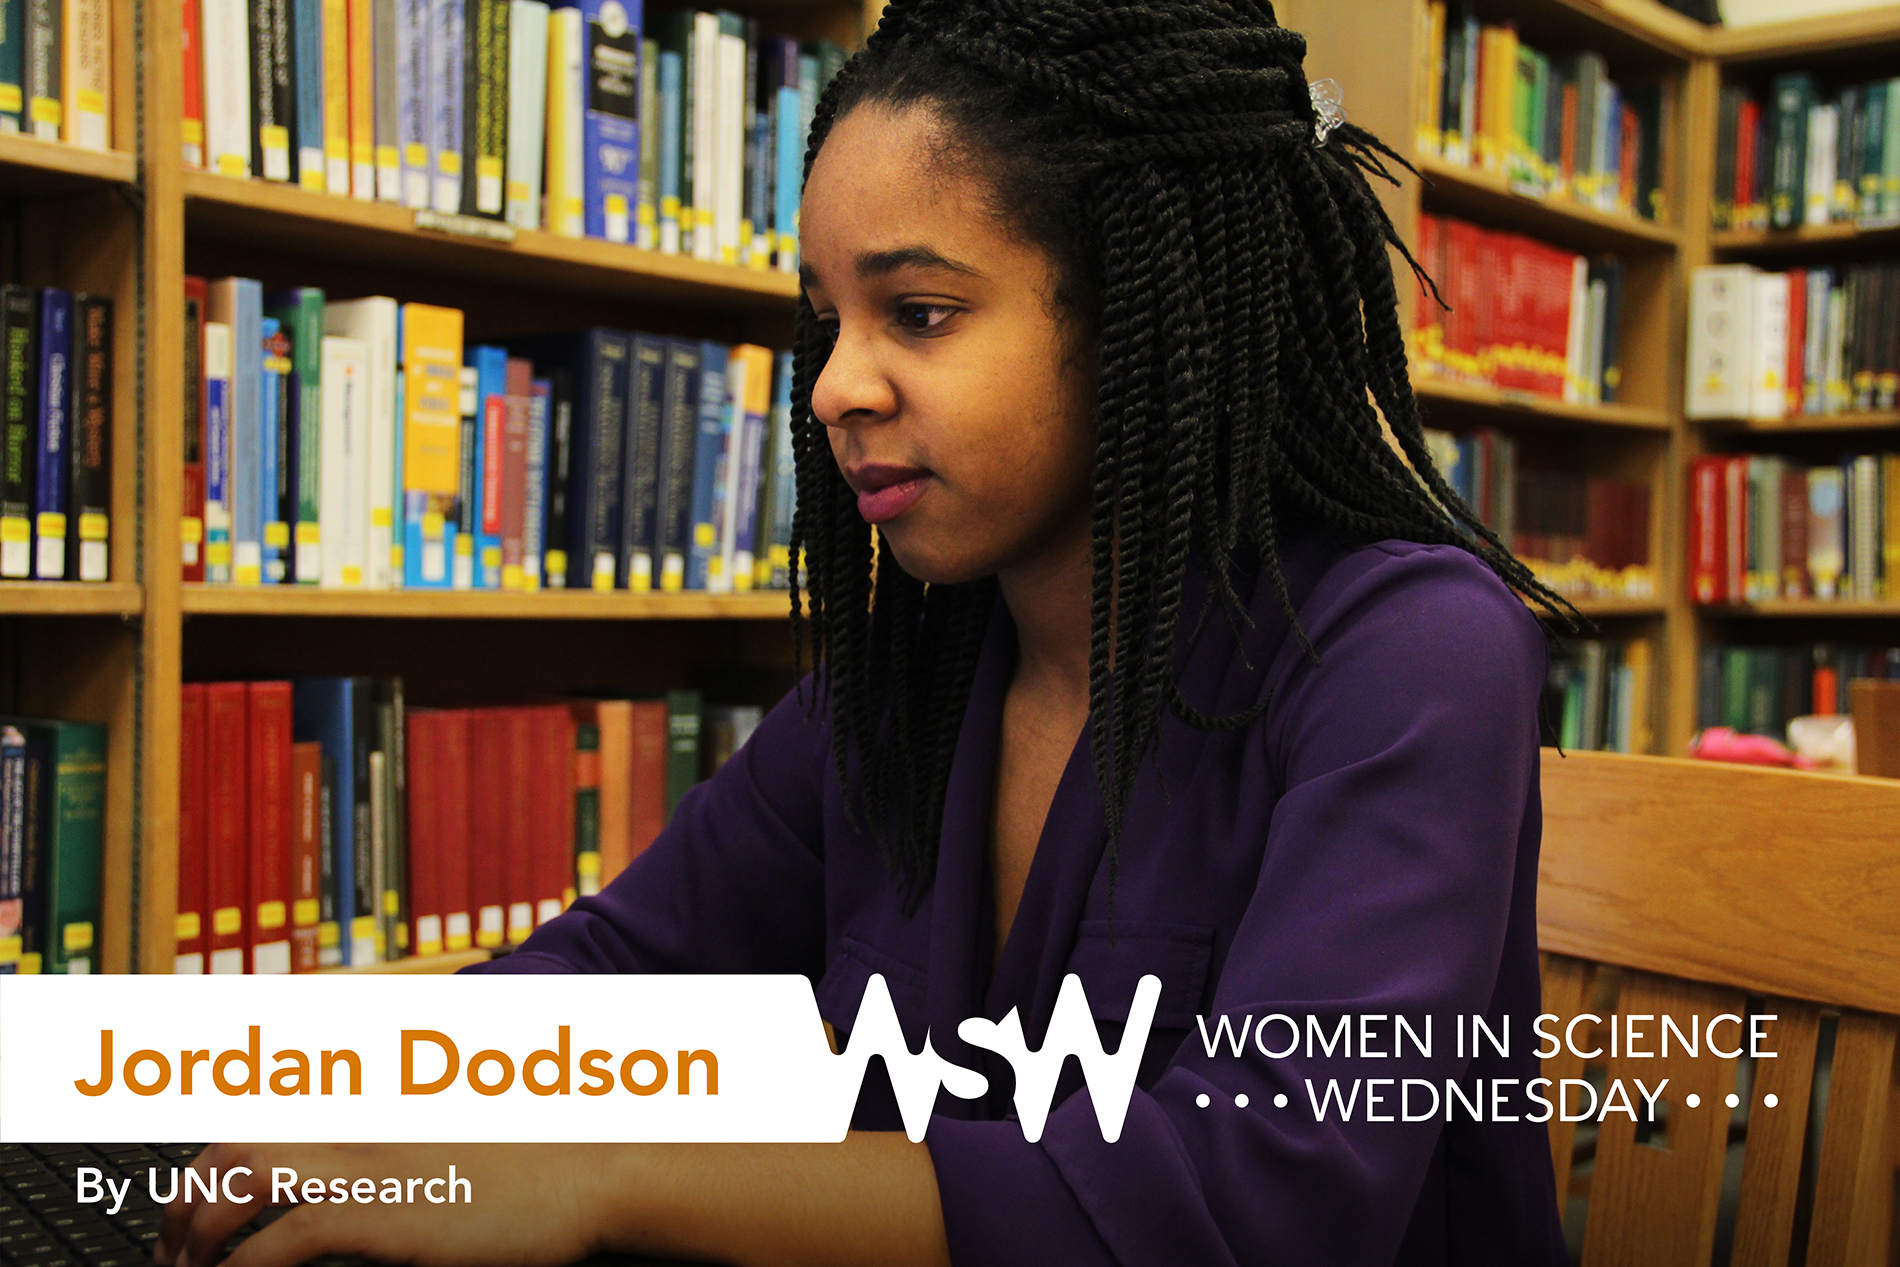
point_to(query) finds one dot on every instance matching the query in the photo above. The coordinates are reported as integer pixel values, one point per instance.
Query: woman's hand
(530, 1205)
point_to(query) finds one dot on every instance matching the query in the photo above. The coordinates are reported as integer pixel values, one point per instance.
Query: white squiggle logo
(915, 1076)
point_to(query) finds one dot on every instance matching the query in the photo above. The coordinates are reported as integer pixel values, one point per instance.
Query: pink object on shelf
(1723, 743)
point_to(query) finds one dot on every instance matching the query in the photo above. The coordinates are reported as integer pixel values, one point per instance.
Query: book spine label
(89, 515)
(17, 418)
(52, 488)
(273, 102)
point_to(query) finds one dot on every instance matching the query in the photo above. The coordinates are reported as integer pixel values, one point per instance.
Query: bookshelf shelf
(1806, 37)
(1470, 192)
(69, 598)
(1522, 405)
(33, 166)
(433, 965)
(1749, 242)
(1889, 608)
(1816, 424)
(290, 600)
(1600, 608)
(270, 215)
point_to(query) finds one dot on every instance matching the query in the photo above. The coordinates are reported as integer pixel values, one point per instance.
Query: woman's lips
(886, 490)
(887, 501)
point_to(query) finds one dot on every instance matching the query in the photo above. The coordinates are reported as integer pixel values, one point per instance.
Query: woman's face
(958, 407)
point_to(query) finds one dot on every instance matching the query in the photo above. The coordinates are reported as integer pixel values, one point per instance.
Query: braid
(1235, 279)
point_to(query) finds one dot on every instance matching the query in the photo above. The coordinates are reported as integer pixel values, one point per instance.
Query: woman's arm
(871, 1200)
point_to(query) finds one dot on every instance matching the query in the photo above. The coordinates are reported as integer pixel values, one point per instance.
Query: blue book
(306, 38)
(54, 432)
(640, 484)
(709, 464)
(782, 476)
(217, 454)
(610, 120)
(339, 714)
(274, 436)
(679, 441)
(535, 519)
(669, 123)
(491, 406)
(240, 301)
(595, 362)
(788, 154)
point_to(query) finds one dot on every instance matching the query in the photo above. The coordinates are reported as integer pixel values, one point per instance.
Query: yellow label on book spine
(94, 526)
(191, 529)
(11, 99)
(309, 533)
(306, 911)
(76, 937)
(277, 533)
(310, 177)
(232, 165)
(16, 528)
(46, 110)
(449, 163)
(227, 920)
(185, 926)
(416, 155)
(270, 915)
(51, 524)
(273, 137)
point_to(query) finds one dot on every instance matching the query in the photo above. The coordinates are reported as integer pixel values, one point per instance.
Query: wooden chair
(1685, 887)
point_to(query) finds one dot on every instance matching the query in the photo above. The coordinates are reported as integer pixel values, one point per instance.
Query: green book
(1794, 95)
(1873, 148)
(683, 709)
(1736, 663)
(65, 840)
(299, 313)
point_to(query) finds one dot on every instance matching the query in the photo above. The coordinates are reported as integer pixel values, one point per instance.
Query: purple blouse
(1367, 847)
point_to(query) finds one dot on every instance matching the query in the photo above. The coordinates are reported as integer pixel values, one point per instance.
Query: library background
(395, 423)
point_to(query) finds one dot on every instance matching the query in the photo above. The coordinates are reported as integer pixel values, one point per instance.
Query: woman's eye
(920, 318)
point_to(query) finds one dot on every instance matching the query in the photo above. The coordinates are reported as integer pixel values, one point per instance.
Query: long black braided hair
(1232, 271)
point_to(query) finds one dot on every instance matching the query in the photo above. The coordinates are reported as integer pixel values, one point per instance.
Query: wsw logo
(915, 1076)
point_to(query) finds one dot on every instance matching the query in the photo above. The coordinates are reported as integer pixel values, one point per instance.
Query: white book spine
(344, 510)
(1814, 346)
(1769, 346)
(217, 452)
(1864, 524)
(227, 87)
(1577, 332)
(1823, 129)
(1594, 317)
(1838, 396)
(1720, 328)
(569, 219)
(527, 110)
(705, 124)
(729, 205)
(374, 322)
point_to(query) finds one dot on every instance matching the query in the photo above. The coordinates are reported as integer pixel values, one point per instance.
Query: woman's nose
(853, 388)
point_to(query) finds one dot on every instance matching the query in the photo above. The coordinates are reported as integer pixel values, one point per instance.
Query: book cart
(1376, 49)
(133, 222)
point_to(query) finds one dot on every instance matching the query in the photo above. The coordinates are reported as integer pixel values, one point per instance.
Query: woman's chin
(934, 562)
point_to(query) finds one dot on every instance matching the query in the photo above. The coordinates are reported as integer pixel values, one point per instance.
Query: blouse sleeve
(1407, 759)
(735, 883)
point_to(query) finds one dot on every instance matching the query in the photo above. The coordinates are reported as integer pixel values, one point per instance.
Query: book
(683, 710)
(483, 495)
(527, 111)
(86, 77)
(447, 100)
(705, 568)
(18, 430)
(517, 399)
(269, 722)
(489, 826)
(377, 323)
(534, 529)
(640, 479)
(16, 790)
(227, 823)
(217, 450)
(300, 315)
(336, 713)
(750, 388)
(343, 512)
(13, 66)
(238, 303)
(415, 79)
(308, 841)
(43, 68)
(359, 97)
(273, 100)
(431, 439)
(426, 846)
(650, 740)
(559, 475)
(191, 524)
(333, 161)
(389, 77)
(485, 122)
(551, 776)
(226, 73)
(779, 495)
(192, 922)
(310, 73)
(52, 487)
(586, 811)
(273, 475)
(611, 119)
(596, 362)
(680, 420)
(60, 890)
(566, 179)
(89, 505)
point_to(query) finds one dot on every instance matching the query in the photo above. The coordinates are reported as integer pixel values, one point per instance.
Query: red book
(1794, 378)
(1735, 512)
(1747, 128)
(1628, 153)
(1428, 319)
(1794, 533)
(651, 739)
(270, 826)
(191, 508)
(488, 796)
(452, 829)
(514, 470)
(519, 804)
(552, 778)
(1708, 568)
(192, 126)
(1550, 292)
(425, 844)
(1567, 151)
(306, 855)
(192, 922)
(1468, 324)
(227, 822)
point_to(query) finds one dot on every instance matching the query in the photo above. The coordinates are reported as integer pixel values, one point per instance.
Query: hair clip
(1326, 108)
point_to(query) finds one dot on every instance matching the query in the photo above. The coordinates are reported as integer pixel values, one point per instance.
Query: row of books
(1806, 342)
(56, 429)
(1584, 536)
(1763, 526)
(360, 444)
(1760, 689)
(52, 837)
(324, 823)
(684, 134)
(1796, 157)
(56, 70)
(1518, 314)
(1554, 125)
(1596, 698)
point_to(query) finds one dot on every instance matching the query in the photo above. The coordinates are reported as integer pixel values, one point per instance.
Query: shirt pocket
(841, 990)
(1111, 957)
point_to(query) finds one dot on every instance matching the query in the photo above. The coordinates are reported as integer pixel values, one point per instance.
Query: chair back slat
(1853, 1186)
(1567, 987)
(1655, 1203)
(1771, 1161)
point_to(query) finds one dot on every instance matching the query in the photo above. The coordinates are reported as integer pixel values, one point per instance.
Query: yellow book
(431, 425)
(753, 399)
(1890, 530)
(1431, 78)
(556, 183)
(1639, 659)
(336, 96)
(359, 89)
(1501, 69)
(86, 77)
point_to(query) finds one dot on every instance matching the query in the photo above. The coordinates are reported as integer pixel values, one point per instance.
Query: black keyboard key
(179, 1152)
(117, 1258)
(55, 1150)
(83, 1217)
(19, 1238)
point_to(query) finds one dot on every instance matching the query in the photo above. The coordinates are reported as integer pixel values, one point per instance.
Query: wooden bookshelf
(1811, 607)
(1750, 243)
(299, 600)
(1818, 424)
(1541, 408)
(31, 166)
(69, 598)
(1455, 189)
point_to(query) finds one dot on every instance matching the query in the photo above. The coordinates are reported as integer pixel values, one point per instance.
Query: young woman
(1162, 659)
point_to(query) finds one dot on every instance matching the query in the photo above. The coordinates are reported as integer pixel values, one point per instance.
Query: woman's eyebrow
(882, 263)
